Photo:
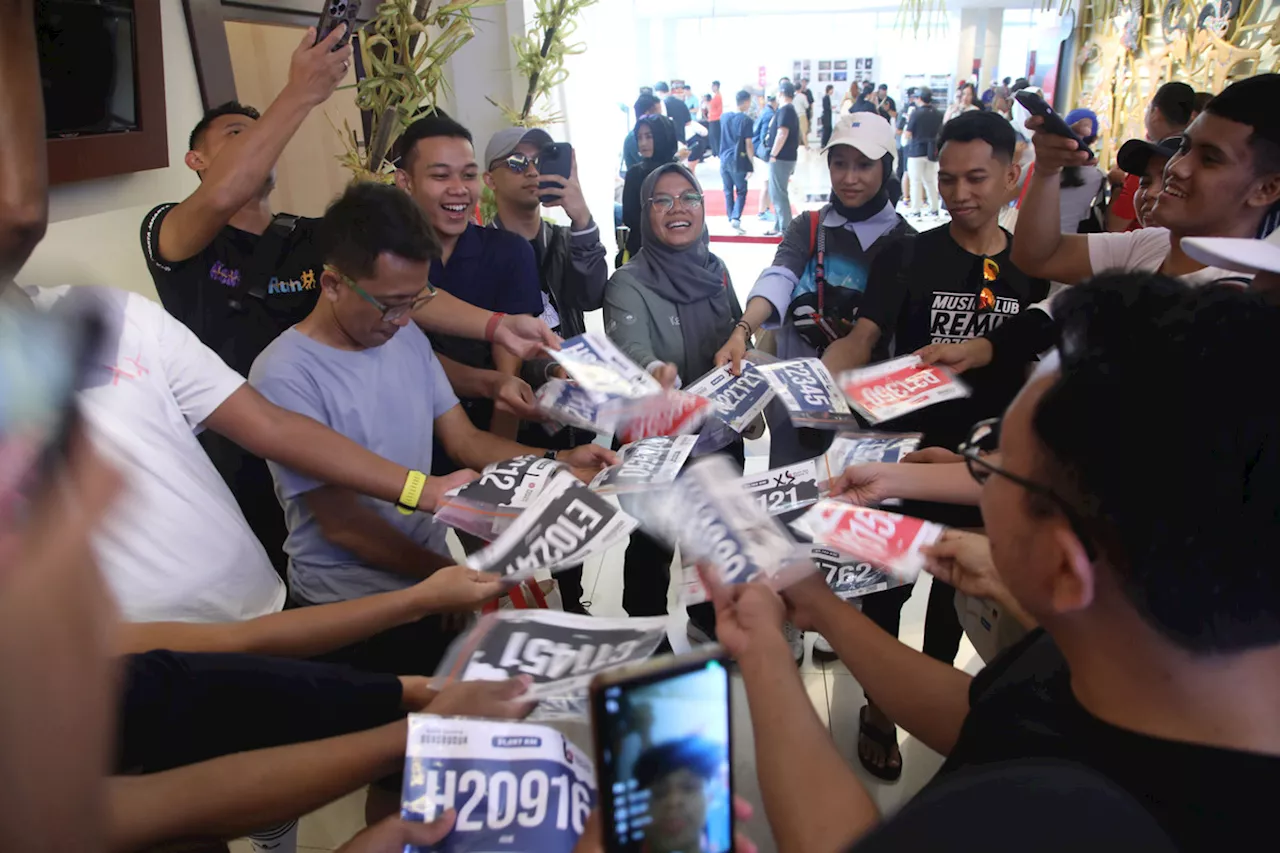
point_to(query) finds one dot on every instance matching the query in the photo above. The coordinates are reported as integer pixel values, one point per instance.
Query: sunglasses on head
(689, 200)
(519, 163)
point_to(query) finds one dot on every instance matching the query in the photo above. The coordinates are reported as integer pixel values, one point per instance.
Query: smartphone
(664, 754)
(43, 359)
(334, 14)
(554, 159)
(1053, 122)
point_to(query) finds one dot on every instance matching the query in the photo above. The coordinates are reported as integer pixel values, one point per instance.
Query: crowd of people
(208, 637)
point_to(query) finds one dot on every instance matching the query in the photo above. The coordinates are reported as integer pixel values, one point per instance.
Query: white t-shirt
(1144, 250)
(175, 546)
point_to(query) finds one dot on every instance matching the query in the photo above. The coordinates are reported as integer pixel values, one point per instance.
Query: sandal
(888, 741)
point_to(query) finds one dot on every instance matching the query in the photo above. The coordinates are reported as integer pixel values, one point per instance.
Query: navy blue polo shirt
(494, 270)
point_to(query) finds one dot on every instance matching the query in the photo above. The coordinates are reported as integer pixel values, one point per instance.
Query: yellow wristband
(413, 484)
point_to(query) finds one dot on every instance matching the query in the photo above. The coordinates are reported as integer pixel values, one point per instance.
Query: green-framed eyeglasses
(390, 313)
(689, 200)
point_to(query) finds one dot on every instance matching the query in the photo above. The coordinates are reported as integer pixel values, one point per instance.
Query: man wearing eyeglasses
(1156, 675)
(358, 365)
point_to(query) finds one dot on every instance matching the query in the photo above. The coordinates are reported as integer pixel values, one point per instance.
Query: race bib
(566, 523)
(601, 369)
(567, 403)
(809, 394)
(645, 464)
(848, 577)
(900, 386)
(486, 506)
(515, 786)
(738, 400)
(789, 487)
(886, 539)
(858, 448)
(663, 414)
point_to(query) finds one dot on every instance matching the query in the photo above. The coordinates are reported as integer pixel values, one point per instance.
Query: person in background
(1147, 160)
(715, 111)
(899, 133)
(1003, 107)
(668, 309)
(675, 107)
(336, 366)
(690, 99)
(826, 115)
(1199, 102)
(989, 94)
(787, 140)
(804, 110)
(954, 282)
(736, 133)
(658, 142)
(808, 94)
(676, 776)
(965, 101)
(646, 105)
(885, 105)
(921, 137)
(487, 267)
(1168, 114)
(865, 102)
(704, 110)
(1082, 185)
(850, 97)
(762, 138)
(571, 269)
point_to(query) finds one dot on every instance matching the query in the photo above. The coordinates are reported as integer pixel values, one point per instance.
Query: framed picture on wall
(842, 65)
(824, 65)
(839, 76)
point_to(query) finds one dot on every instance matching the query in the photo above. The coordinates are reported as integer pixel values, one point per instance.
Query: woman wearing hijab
(656, 139)
(667, 309)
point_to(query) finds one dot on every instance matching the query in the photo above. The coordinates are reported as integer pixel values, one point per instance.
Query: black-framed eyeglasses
(689, 200)
(984, 438)
(519, 163)
(390, 313)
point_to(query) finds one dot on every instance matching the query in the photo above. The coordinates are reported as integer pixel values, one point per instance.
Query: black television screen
(87, 66)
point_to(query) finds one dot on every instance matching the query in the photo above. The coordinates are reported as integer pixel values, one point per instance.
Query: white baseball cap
(869, 132)
(1238, 254)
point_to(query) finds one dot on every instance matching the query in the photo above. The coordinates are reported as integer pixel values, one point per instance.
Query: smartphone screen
(666, 779)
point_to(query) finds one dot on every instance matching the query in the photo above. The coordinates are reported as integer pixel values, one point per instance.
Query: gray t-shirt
(385, 399)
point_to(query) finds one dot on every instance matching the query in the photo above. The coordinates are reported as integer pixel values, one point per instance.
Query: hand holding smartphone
(1053, 123)
(336, 13)
(664, 754)
(554, 159)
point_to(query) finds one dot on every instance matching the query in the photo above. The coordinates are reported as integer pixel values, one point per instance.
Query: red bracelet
(492, 326)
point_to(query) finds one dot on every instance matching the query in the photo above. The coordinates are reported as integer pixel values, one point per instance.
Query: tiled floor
(836, 695)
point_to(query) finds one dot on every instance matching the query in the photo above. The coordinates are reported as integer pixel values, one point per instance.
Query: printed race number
(496, 802)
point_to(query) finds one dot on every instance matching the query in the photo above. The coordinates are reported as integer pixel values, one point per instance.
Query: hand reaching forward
(391, 835)
(525, 336)
(455, 588)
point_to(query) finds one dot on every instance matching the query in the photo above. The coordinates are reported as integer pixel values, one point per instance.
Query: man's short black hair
(925, 94)
(1175, 101)
(429, 126)
(1021, 83)
(370, 219)
(992, 129)
(644, 103)
(1253, 101)
(1201, 101)
(661, 86)
(230, 108)
(694, 753)
(867, 89)
(743, 95)
(1007, 80)
(830, 88)
(884, 86)
(1185, 511)
(715, 82)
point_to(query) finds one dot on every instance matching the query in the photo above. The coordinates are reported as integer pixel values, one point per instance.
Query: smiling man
(487, 267)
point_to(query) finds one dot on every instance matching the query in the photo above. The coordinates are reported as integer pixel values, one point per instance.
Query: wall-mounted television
(102, 73)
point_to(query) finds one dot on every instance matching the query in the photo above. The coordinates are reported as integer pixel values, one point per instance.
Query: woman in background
(826, 115)
(966, 101)
(656, 139)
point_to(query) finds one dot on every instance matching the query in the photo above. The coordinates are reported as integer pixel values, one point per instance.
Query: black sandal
(888, 741)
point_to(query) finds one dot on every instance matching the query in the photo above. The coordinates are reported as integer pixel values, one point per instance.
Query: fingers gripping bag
(564, 524)
(560, 652)
(900, 386)
(848, 577)
(567, 404)
(887, 539)
(709, 516)
(858, 448)
(515, 786)
(808, 393)
(645, 464)
(486, 506)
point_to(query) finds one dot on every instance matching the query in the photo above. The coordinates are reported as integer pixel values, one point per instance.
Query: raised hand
(315, 70)
(455, 588)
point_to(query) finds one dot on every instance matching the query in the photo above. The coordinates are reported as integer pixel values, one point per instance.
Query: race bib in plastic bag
(709, 516)
(857, 448)
(848, 577)
(665, 413)
(645, 464)
(884, 538)
(789, 487)
(560, 651)
(566, 403)
(565, 524)
(900, 386)
(738, 400)
(486, 506)
(515, 786)
(809, 394)
(601, 369)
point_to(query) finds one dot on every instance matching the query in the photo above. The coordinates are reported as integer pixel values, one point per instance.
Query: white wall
(93, 225)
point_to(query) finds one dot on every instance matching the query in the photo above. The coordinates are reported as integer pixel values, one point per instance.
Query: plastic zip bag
(738, 400)
(847, 576)
(602, 370)
(645, 464)
(808, 393)
(900, 386)
(485, 507)
(877, 536)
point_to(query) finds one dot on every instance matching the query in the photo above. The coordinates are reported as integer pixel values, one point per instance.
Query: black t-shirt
(926, 289)
(1205, 798)
(787, 117)
(678, 112)
(198, 290)
(887, 108)
(924, 124)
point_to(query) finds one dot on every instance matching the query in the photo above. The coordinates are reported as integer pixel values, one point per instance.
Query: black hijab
(665, 142)
(690, 277)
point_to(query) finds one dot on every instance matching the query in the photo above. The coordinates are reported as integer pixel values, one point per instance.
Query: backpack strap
(267, 254)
